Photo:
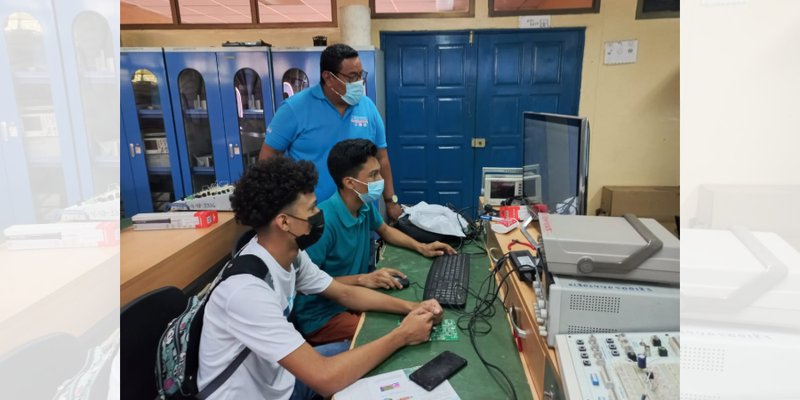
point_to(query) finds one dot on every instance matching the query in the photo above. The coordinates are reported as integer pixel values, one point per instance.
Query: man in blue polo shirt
(309, 123)
(344, 248)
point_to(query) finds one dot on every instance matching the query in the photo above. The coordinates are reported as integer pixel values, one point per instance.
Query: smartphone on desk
(435, 371)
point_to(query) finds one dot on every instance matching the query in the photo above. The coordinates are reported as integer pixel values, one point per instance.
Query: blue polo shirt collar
(317, 92)
(344, 214)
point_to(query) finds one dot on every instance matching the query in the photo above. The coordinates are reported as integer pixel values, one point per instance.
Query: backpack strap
(241, 264)
(221, 378)
(247, 264)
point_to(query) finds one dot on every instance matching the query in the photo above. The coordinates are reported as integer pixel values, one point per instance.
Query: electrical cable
(477, 321)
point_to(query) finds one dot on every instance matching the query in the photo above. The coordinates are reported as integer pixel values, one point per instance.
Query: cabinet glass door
(39, 130)
(194, 107)
(98, 82)
(250, 103)
(154, 137)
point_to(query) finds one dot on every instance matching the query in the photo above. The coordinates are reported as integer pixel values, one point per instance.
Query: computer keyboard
(448, 280)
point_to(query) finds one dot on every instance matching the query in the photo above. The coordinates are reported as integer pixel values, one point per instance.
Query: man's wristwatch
(392, 199)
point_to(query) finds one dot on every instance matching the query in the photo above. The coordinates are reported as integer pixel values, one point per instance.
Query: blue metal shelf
(159, 170)
(146, 113)
(257, 114)
(196, 113)
(203, 170)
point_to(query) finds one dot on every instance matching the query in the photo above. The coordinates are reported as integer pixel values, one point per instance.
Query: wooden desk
(45, 291)
(472, 382)
(175, 257)
(536, 354)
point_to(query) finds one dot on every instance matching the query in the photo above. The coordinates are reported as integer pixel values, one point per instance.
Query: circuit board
(447, 331)
(620, 366)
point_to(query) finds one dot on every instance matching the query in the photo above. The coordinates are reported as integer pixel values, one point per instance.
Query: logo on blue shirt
(358, 121)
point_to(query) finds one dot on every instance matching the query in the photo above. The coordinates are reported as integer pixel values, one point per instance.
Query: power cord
(477, 321)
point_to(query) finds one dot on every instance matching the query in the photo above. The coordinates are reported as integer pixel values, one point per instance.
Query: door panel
(199, 127)
(443, 89)
(430, 96)
(245, 79)
(517, 72)
(148, 132)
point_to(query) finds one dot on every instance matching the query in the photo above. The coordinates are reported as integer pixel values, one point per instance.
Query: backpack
(177, 358)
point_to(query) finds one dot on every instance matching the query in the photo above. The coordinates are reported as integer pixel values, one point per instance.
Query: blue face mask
(374, 191)
(354, 93)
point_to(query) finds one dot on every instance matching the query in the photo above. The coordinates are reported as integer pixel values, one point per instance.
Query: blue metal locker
(129, 204)
(89, 48)
(245, 82)
(297, 69)
(294, 70)
(148, 139)
(198, 116)
(38, 144)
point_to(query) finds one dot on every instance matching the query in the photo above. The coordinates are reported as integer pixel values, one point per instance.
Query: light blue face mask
(374, 191)
(354, 93)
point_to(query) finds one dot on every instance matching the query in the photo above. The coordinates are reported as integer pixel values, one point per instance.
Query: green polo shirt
(343, 249)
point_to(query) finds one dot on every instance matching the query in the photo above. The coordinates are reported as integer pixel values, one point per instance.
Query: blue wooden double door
(445, 89)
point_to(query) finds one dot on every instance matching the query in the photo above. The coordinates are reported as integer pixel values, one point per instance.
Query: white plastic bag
(437, 219)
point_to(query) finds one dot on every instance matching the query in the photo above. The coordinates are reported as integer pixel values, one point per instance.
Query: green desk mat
(474, 381)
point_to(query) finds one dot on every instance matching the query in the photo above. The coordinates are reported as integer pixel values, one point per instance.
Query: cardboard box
(661, 203)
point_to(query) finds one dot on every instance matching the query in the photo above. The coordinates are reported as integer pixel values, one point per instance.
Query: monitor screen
(555, 160)
(502, 189)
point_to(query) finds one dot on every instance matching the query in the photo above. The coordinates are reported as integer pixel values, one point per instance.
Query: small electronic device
(498, 188)
(203, 161)
(103, 207)
(498, 171)
(723, 363)
(532, 186)
(214, 198)
(626, 248)
(582, 305)
(436, 371)
(740, 278)
(621, 366)
(155, 145)
(62, 235)
(402, 281)
(174, 220)
(525, 264)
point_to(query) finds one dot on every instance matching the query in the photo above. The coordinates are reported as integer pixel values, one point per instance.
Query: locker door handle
(233, 150)
(130, 148)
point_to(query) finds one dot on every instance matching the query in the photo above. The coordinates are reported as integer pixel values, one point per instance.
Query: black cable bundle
(476, 322)
(473, 231)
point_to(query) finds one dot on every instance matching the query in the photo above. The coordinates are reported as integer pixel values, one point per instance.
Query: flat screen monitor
(555, 161)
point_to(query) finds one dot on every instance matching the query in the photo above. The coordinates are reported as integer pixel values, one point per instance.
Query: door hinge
(478, 143)
(470, 37)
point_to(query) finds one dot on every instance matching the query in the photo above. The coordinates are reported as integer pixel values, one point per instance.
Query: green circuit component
(447, 331)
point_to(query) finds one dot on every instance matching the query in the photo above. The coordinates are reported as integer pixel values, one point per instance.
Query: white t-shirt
(244, 311)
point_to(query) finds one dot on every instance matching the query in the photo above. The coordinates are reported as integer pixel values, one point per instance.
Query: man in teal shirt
(343, 250)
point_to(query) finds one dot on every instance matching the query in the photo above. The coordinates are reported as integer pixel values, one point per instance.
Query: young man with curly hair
(343, 251)
(276, 198)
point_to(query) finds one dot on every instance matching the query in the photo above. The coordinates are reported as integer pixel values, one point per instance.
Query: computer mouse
(403, 281)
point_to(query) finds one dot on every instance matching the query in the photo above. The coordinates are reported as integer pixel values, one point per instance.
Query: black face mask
(317, 223)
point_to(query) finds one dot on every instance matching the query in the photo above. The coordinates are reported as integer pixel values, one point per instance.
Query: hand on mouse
(383, 278)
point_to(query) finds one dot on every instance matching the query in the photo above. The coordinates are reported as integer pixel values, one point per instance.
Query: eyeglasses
(354, 77)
